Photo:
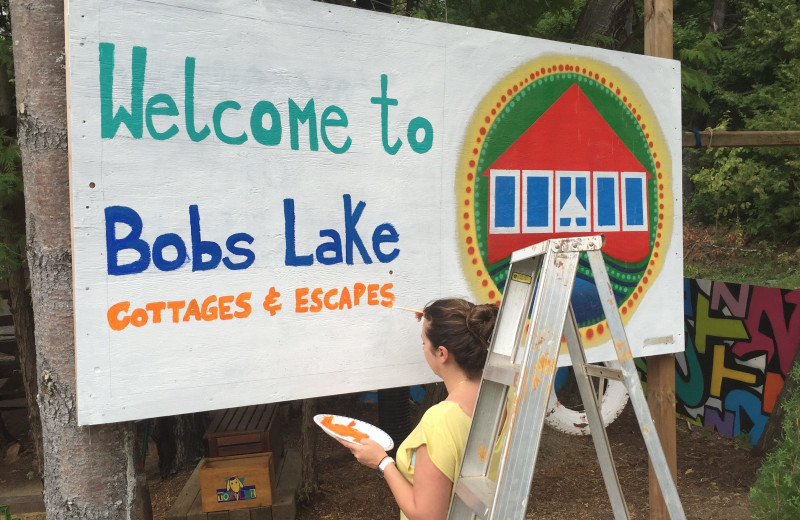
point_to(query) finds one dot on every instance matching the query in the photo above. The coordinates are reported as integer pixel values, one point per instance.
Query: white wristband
(383, 463)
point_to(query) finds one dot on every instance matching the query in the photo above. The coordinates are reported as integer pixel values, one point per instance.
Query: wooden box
(248, 429)
(238, 482)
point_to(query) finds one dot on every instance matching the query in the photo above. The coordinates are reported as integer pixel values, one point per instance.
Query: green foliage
(5, 513)
(12, 213)
(755, 86)
(551, 19)
(776, 493)
(306, 494)
(12, 209)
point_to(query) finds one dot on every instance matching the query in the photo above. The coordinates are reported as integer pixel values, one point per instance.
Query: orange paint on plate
(344, 430)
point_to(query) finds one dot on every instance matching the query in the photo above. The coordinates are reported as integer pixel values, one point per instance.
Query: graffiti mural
(740, 342)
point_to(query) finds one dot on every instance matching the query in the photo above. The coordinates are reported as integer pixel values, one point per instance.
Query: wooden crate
(189, 506)
(248, 429)
(239, 482)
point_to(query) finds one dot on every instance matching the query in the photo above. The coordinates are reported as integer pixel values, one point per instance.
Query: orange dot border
(496, 100)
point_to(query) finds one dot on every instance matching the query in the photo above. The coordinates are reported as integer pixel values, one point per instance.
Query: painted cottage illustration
(569, 174)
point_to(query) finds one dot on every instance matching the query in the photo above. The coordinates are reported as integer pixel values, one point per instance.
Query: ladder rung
(477, 493)
(503, 373)
(607, 373)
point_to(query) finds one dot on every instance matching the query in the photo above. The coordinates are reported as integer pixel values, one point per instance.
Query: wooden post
(661, 369)
(709, 138)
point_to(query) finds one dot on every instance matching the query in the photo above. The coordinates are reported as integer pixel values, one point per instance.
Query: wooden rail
(711, 138)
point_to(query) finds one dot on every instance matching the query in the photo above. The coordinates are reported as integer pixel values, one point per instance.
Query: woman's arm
(427, 499)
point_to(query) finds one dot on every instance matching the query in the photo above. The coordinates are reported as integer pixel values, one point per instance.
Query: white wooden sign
(258, 186)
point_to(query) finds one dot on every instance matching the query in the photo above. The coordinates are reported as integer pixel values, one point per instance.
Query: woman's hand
(368, 453)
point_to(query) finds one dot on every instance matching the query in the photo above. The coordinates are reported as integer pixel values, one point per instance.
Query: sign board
(258, 187)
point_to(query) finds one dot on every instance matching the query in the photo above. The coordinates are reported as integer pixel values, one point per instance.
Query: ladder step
(477, 494)
(604, 372)
(501, 372)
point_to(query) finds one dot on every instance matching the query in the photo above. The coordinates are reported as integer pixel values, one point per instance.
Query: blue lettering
(167, 240)
(351, 234)
(385, 233)
(291, 257)
(249, 256)
(334, 247)
(202, 247)
(123, 215)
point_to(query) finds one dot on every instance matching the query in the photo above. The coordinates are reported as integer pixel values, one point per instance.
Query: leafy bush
(776, 493)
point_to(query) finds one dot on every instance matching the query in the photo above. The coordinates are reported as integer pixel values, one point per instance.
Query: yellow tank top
(444, 429)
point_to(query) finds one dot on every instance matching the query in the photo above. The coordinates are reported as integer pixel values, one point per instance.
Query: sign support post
(658, 42)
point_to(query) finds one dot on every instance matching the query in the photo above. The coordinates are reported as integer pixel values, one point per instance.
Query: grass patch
(718, 254)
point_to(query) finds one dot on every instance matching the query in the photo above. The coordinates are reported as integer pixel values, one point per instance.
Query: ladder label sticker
(522, 278)
(567, 146)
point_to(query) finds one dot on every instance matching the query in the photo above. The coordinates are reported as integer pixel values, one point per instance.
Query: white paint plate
(374, 433)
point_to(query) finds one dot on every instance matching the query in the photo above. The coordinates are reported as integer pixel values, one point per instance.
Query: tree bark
(717, 16)
(606, 18)
(774, 427)
(89, 472)
(434, 394)
(179, 440)
(22, 312)
(309, 448)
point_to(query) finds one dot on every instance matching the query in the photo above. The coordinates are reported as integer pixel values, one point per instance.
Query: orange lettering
(388, 295)
(372, 294)
(156, 308)
(139, 317)
(344, 300)
(225, 307)
(244, 305)
(316, 300)
(301, 299)
(192, 311)
(114, 321)
(175, 307)
(358, 291)
(209, 310)
(328, 296)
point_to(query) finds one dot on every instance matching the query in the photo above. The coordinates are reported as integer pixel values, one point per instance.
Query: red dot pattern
(484, 277)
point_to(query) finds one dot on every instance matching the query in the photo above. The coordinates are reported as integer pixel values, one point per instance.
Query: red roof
(570, 135)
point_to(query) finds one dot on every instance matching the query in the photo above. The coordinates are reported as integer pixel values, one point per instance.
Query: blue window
(505, 198)
(504, 201)
(634, 201)
(538, 202)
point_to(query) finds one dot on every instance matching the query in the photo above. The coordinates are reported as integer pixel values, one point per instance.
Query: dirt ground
(714, 474)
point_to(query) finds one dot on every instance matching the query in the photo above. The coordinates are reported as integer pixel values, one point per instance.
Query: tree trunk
(601, 19)
(89, 472)
(394, 414)
(774, 427)
(22, 312)
(309, 448)
(717, 16)
(434, 394)
(180, 442)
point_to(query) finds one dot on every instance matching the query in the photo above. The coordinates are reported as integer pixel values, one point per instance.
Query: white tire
(574, 422)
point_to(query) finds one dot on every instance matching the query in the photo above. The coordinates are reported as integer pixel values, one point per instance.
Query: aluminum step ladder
(538, 291)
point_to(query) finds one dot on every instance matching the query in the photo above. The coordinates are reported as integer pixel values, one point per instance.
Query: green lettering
(260, 134)
(296, 116)
(109, 123)
(326, 121)
(167, 108)
(218, 110)
(188, 74)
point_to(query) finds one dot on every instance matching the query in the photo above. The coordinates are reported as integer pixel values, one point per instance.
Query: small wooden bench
(189, 506)
(245, 430)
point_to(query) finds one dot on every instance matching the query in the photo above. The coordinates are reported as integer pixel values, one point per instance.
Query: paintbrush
(416, 311)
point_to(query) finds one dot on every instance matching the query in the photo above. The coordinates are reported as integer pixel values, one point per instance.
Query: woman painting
(455, 340)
